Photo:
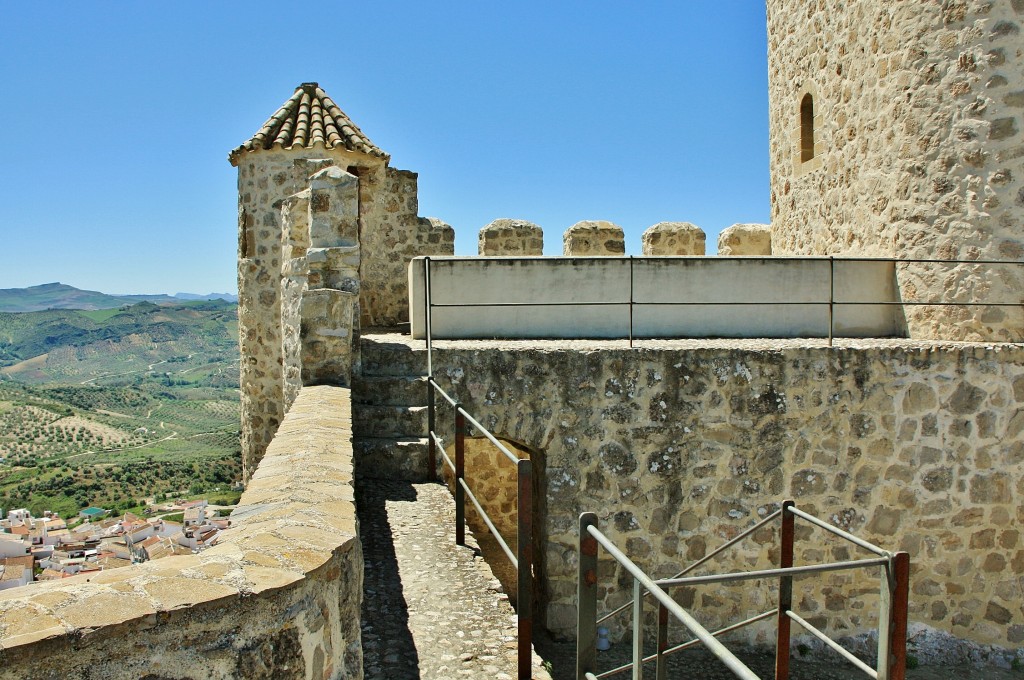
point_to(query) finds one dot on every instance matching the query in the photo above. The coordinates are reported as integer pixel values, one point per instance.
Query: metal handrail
(767, 573)
(588, 526)
(839, 532)
(490, 525)
(892, 618)
(720, 549)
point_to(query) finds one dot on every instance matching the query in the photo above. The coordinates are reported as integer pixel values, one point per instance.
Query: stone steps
(381, 358)
(389, 412)
(402, 458)
(390, 390)
(389, 421)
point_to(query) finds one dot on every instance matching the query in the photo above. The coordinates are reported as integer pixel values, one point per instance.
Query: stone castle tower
(326, 229)
(897, 130)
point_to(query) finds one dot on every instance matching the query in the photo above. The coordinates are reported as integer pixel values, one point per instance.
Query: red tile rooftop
(309, 119)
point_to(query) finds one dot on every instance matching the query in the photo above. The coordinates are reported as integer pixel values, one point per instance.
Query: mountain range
(62, 296)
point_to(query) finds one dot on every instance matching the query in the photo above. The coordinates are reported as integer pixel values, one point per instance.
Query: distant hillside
(62, 296)
(102, 407)
(105, 346)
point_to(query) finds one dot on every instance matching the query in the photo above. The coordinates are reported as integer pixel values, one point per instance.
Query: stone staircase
(389, 412)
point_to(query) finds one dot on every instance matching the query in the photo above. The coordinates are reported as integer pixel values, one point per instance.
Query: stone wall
(278, 597)
(389, 241)
(678, 445)
(917, 127)
(494, 481)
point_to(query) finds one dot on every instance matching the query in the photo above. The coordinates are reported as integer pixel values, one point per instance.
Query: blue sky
(117, 119)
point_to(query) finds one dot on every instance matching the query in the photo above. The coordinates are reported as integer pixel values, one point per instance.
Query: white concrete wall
(679, 297)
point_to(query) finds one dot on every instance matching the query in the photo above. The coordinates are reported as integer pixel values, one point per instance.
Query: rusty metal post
(661, 670)
(586, 600)
(785, 593)
(638, 631)
(460, 473)
(899, 608)
(524, 555)
(431, 427)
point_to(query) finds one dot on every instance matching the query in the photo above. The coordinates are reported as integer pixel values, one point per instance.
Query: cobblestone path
(431, 610)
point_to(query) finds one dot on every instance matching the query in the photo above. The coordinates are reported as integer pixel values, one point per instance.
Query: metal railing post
(631, 302)
(427, 313)
(785, 593)
(638, 630)
(661, 671)
(892, 618)
(586, 600)
(831, 296)
(524, 554)
(431, 427)
(460, 473)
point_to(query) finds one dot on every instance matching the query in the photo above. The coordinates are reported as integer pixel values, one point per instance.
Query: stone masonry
(915, 114)
(745, 239)
(589, 238)
(673, 238)
(678, 445)
(511, 238)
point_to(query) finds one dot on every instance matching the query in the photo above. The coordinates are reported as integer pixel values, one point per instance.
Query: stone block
(745, 239)
(673, 238)
(511, 237)
(594, 238)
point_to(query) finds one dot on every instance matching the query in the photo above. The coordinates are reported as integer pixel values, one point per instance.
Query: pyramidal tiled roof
(309, 118)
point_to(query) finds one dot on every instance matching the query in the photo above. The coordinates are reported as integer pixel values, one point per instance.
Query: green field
(104, 408)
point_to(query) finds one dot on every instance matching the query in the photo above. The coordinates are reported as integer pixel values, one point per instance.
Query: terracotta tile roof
(308, 119)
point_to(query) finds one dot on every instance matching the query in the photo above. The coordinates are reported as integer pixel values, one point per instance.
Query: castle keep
(896, 131)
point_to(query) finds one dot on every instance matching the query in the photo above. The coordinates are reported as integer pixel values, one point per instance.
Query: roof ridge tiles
(306, 119)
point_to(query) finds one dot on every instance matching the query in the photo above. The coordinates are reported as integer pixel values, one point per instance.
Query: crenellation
(673, 238)
(745, 239)
(511, 237)
(593, 238)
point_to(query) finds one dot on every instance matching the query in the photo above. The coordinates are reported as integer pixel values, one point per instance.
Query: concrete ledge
(279, 596)
(655, 297)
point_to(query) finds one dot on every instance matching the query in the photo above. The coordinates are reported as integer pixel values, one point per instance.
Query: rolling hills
(105, 406)
(62, 296)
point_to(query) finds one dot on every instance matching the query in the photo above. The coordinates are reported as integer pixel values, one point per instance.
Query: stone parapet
(745, 239)
(673, 238)
(593, 238)
(279, 596)
(511, 237)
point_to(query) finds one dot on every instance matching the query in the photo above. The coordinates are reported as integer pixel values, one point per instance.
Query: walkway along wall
(278, 597)
(678, 445)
